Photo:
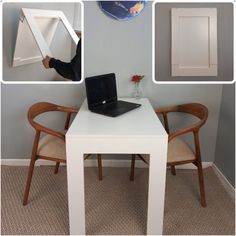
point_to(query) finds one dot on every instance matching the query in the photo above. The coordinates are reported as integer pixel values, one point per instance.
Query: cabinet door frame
(29, 20)
(209, 68)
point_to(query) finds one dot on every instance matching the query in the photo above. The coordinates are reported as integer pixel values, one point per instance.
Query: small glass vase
(137, 93)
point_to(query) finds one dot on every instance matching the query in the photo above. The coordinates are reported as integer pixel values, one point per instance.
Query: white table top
(138, 122)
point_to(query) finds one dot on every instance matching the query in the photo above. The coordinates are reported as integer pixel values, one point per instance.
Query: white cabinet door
(194, 41)
(35, 33)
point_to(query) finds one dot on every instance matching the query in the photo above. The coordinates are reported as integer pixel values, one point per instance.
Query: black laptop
(102, 96)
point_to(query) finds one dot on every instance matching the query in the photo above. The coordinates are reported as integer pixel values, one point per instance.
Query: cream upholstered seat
(178, 150)
(51, 146)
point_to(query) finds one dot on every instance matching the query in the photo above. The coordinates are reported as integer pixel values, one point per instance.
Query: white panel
(213, 37)
(191, 71)
(35, 33)
(21, 55)
(194, 42)
(26, 49)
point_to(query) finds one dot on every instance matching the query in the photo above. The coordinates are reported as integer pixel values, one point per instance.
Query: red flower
(137, 78)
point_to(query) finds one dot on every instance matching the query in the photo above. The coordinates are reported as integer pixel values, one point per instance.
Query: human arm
(71, 70)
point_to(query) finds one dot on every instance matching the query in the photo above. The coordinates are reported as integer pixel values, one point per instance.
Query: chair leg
(198, 163)
(201, 184)
(28, 182)
(99, 157)
(56, 168)
(173, 170)
(132, 168)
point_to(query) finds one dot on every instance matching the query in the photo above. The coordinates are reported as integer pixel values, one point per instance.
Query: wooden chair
(52, 145)
(178, 151)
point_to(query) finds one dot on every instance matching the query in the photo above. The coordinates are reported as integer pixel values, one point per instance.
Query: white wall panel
(194, 42)
(35, 33)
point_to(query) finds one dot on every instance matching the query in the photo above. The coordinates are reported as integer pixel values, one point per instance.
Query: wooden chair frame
(33, 112)
(199, 111)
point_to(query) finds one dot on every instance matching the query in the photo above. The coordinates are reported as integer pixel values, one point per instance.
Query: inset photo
(193, 42)
(42, 42)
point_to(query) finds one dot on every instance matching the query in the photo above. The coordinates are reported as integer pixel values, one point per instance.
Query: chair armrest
(43, 107)
(67, 109)
(165, 110)
(193, 128)
(44, 129)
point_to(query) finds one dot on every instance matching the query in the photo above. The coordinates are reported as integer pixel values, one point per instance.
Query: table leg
(156, 190)
(75, 180)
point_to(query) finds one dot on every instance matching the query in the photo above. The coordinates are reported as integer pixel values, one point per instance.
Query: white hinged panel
(36, 30)
(194, 41)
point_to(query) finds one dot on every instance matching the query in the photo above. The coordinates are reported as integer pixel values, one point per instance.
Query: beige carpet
(115, 205)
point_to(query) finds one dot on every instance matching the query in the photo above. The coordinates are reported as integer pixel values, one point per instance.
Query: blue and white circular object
(122, 10)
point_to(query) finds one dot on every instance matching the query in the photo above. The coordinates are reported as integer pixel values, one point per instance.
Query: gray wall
(77, 24)
(17, 134)
(163, 41)
(122, 47)
(225, 146)
(60, 45)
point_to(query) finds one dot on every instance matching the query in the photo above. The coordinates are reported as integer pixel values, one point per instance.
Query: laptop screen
(100, 89)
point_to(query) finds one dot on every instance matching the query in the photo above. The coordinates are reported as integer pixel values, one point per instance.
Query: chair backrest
(195, 109)
(39, 108)
(42, 107)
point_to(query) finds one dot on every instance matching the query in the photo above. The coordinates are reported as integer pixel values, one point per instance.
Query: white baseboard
(227, 185)
(191, 166)
(93, 163)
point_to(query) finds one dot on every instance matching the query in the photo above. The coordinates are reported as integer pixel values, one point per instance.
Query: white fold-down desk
(138, 131)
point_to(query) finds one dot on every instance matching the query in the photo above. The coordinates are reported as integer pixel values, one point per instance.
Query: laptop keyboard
(111, 106)
(115, 108)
